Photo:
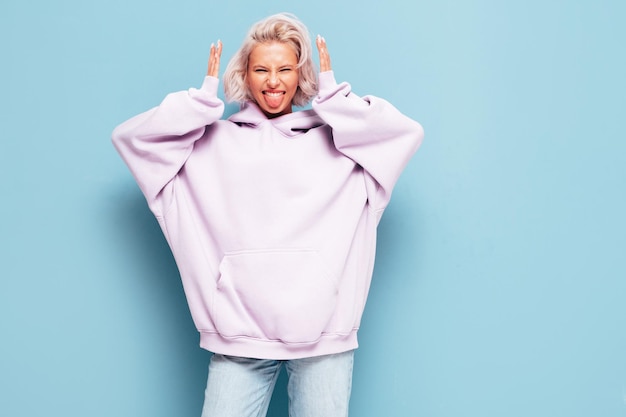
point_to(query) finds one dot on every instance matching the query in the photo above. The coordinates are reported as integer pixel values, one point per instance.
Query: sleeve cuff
(210, 85)
(327, 82)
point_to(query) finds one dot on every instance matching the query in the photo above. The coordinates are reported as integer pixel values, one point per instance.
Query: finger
(215, 55)
(320, 48)
(323, 52)
(319, 41)
(219, 48)
(209, 70)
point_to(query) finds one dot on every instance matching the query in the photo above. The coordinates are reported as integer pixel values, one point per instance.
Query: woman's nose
(273, 80)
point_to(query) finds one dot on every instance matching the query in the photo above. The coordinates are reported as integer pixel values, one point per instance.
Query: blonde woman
(271, 215)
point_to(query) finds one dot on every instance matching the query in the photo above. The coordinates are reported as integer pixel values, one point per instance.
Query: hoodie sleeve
(371, 132)
(156, 144)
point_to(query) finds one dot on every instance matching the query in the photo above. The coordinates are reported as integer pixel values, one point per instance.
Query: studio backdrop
(500, 282)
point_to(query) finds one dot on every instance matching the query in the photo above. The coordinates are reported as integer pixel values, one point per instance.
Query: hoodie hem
(275, 349)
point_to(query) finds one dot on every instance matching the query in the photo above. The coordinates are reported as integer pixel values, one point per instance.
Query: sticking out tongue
(273, 100)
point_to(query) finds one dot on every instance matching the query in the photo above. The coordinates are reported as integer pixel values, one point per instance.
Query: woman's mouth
(273, 98)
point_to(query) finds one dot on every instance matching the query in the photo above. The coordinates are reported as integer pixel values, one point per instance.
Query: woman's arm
(368, 129)
(155, 144)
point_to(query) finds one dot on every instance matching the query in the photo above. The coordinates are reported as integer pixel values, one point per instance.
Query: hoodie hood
(290, 125)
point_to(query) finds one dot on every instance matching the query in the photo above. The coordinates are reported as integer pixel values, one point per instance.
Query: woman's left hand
(323, 51)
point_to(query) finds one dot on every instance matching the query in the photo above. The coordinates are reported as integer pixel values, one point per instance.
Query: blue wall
(501, 280)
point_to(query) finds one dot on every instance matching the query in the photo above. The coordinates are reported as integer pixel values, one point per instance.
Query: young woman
(271, 215)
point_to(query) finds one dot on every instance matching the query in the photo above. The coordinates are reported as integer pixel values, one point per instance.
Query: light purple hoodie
(272, 222)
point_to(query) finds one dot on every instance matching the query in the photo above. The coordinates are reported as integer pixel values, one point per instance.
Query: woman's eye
(285, 69)
(260, 70)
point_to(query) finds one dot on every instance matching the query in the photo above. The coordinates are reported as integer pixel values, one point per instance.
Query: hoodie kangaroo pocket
(284, 295)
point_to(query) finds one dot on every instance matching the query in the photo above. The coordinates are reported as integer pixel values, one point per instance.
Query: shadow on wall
(173, 363)
(161, 301)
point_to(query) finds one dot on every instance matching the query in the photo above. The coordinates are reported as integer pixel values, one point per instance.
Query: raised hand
(323, 51)
(214, 60)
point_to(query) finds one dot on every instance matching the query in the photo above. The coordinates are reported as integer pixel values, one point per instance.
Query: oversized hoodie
(272, 222)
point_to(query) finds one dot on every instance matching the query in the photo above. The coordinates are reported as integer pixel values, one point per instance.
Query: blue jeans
(242, 387)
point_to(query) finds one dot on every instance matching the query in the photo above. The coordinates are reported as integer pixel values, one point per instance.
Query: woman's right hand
(214, 60)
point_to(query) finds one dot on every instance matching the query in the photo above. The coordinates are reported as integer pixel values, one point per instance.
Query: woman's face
(272, 77)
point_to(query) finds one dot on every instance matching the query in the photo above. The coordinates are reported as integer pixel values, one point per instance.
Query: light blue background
(499, 288)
